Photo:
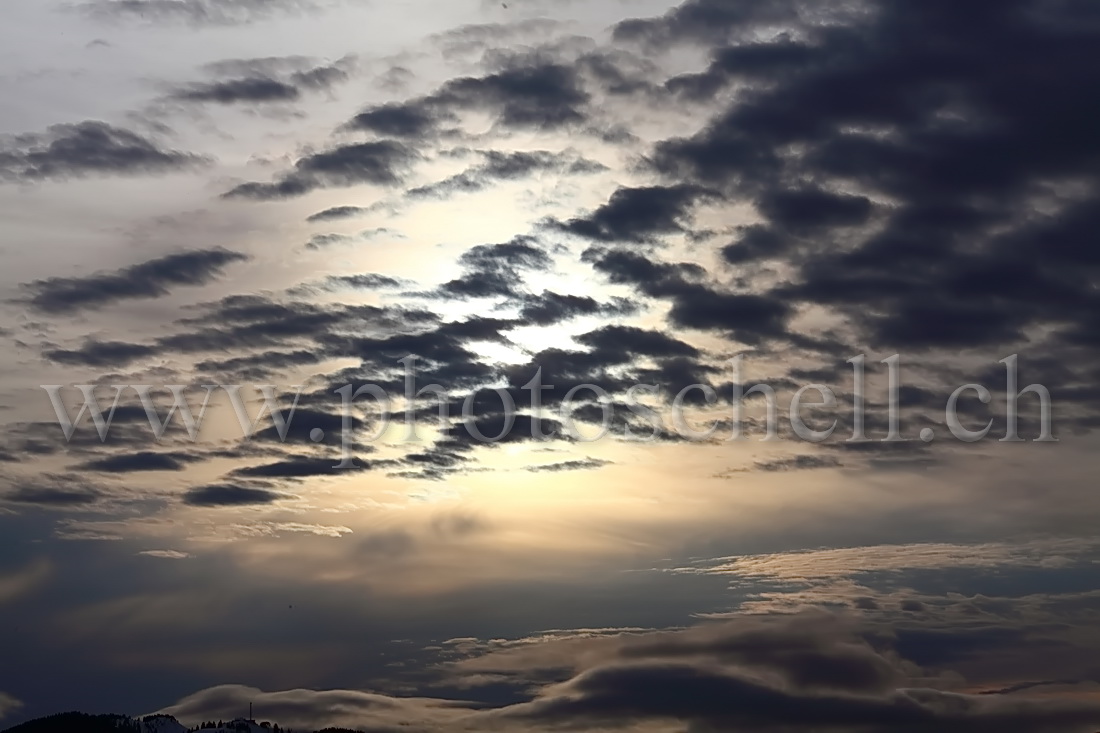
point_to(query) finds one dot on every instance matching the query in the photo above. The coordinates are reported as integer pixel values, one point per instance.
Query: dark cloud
(519, 253)
(678, 376)
(416, 120)
(495, 270)
(194, 12)
(481, 37)
(922, 173)
(298, 467)
(53, 491)
(261, 365)
(750, 62)
(614, 364)
(585, 464)
(320, 241)
(101, 354)
(482, 284)
(497, 429)
(87, 148)
(504, 166)
(542, 95)
(776, 673)
(903, 105)
(749, 317)
(550, 308)
(50, 496)
(129, 431)
(798, 463)
(231, 495)
(265, 66)
(796, 214)
(152, 279)
(276, 79)
(306, 420)
(231, 91)
(525, 93)
(756, 243)
(239, 324)
(728, 700)
(382, 163)
(437, 464)
(866, 604)
(321, 77)
(437, 459)
(443, 352)
(246, 321)
(812, 651)
(636, 341)
(338, 212)
(618, 72)
(364, 281)
(638, 214)
(806, 211)
(705, 20)
(651, 276)
(142, 461)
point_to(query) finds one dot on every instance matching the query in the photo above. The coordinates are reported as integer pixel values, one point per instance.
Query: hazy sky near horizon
(301, 193)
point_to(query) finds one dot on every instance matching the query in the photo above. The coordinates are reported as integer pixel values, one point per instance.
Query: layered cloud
(816, 671)
(598, 202)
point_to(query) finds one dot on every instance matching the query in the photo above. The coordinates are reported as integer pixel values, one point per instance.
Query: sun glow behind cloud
(303, 194)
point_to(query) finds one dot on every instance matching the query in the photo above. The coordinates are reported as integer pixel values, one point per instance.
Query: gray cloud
(152, 279)
(298, 467)
(526, 93)
(502, 166)
(408, 120)
(87, 148)
(639, 214)
(382, 163)
(338, 212)
(798, 463)
(8, 704)
(549, 307)
(952, 228)
(101, 354)
(585, 464)
(194, 12)
(261, 81)
(727, 700)
(230, 495)
(230, 91)
(778, 673)
(141, 461)
(53, 491)
(708, 21)
(494, 270)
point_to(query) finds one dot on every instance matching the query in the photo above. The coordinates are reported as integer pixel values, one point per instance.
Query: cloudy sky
(300, 194)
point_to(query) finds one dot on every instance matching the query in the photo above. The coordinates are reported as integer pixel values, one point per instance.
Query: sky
(589, 229)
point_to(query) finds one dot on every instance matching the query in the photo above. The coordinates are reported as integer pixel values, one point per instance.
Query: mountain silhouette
(76, 722)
